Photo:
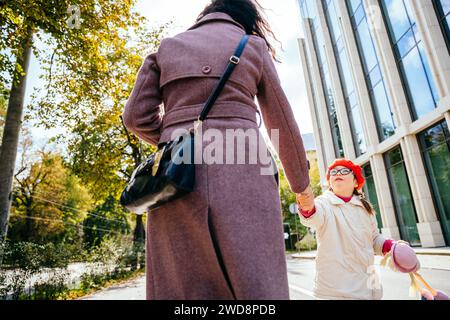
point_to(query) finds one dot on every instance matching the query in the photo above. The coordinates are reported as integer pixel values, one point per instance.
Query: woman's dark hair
(249, 13)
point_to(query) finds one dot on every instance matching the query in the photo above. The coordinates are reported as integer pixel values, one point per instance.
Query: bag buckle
(234, 59)
(197, 124)
(158, 157)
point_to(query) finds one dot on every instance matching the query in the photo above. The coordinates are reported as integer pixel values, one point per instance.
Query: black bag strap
(234, 60)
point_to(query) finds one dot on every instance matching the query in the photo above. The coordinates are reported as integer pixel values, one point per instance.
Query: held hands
(305, 199)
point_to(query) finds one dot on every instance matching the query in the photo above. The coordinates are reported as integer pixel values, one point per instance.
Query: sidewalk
(128, 290)
(430, 258)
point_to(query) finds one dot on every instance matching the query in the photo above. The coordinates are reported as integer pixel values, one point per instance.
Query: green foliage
(106, 217)
(32, 256)
(62, 199)
(100, 151)
(49, 290)
(288, 197)
(314, 173)
(35, 271)
(49, 201)
(307, 243)
(89, 51)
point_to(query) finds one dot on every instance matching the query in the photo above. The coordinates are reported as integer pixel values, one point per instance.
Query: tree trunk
(28, 223)
(139, 232)
(138, 242)
(13, 123)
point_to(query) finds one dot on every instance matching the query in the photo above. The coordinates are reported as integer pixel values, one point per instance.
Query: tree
(288, 197)
(48, 200)
(81, 37)
(106, 219)
(101, 152)
(3, 106)
(314, 173)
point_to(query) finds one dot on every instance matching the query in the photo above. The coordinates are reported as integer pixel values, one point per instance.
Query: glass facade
(374, 79)
(371, 193)
(401, 194)
(314, 98)
(410, 55)
(435, 147)
(346, 78)
(443, 12)
(308, 9)
(398, 24)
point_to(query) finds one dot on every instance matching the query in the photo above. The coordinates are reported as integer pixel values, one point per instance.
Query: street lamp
(293, 208)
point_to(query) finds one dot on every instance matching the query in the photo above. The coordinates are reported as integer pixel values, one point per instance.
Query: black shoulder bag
(165, 175)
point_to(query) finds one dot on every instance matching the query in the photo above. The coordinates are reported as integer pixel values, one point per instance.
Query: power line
(69, 207)
(62, 205)
(72, 224)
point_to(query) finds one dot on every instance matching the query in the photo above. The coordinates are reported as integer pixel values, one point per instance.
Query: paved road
(131, 290)
(395, 285)
(301, 277)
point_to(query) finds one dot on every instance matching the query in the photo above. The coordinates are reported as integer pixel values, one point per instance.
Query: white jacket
(347, 240)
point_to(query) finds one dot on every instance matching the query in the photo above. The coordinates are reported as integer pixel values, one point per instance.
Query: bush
(50, 288)
(308, 242)
(32, 256)
(40, 271)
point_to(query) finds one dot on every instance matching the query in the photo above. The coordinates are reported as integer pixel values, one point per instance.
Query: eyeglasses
(343, 171)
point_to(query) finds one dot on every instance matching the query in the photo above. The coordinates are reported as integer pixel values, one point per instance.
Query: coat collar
(335, 200)
(216, 16)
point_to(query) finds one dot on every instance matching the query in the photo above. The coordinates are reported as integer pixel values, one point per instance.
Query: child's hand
(305, 199)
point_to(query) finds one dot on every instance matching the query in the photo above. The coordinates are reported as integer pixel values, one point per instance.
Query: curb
(433, 253)
(312, 257)
(303, 257)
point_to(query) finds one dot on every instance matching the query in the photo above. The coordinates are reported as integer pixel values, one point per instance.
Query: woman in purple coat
(225, 239)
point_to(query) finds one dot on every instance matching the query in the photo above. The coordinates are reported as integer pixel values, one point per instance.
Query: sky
(284, 18)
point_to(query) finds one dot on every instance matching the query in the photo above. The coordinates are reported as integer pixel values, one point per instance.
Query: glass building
(380, 72)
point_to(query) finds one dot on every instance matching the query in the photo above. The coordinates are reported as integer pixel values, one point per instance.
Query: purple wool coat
(225, 239)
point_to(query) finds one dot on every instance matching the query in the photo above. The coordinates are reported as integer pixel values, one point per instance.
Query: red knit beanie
(357, 171)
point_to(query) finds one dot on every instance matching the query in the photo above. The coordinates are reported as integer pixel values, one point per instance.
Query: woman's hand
(305, 199)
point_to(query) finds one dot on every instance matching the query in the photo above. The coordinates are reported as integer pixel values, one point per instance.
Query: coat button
(206, 69)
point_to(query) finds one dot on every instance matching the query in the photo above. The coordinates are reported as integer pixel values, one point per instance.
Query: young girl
(347, 236)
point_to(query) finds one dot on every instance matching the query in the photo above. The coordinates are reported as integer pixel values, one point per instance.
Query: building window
(371, 193)
(374, 79)
(348, 87)
(410, 55)
(435, 146)
(314, 99)
(308, 9)
(401, 194)
(443, 12)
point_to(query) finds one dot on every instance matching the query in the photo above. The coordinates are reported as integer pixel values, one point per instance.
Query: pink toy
(441, 296)
(426, 295)
(429, 293)
(404, 258)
